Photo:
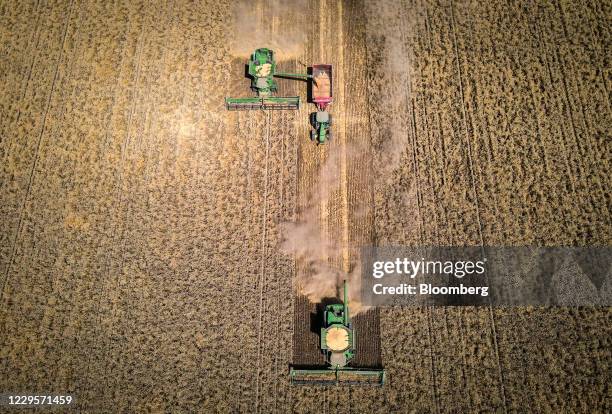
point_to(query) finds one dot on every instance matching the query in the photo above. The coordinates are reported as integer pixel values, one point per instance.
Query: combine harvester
(338, 345)
(262, 70)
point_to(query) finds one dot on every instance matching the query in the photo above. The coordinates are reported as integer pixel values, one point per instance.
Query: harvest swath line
(425, 123)
(432, 365)
(484, 124)
(471, 166)
(410, 106)
(570, 176)
(580, 87)
(119, 196)
(77, 48)
(560, 106)
(600, 69)
(346, 261)
(463, 352)
(246, 288)
(433, 360)
(27, 78)
(262, 277)
(280, 280)
(36, 157)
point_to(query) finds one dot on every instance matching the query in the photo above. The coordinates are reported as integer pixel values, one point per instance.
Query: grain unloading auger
(338, 345)
(262, 70)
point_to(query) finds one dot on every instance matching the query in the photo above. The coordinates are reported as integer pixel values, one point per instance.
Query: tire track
(409, 102)
(262, 276)
(109, 306)
(475, 194)
(36, 158)
(24, 88)
(55, 282)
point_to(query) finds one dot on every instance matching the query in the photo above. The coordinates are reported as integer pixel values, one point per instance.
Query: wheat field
(161, 254)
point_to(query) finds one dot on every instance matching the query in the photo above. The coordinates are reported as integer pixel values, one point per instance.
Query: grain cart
(338, 346)
(322, 86)
(262, 70)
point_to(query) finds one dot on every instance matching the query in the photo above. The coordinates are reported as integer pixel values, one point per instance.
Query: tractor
(321, 122)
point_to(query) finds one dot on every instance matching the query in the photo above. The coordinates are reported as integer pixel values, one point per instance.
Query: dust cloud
(308, 242)
(306, 239)
(315, 251)
(388, 27)
(275, 24)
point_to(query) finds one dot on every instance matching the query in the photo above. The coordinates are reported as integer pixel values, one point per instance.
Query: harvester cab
(338, 344)
(262, 70)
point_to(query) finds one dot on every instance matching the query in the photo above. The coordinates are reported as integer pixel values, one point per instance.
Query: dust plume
(390, 28)
(310, 244)
(276, 24)
(315, 251)
(307, 239)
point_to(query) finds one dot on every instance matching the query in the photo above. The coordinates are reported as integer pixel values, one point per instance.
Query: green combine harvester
(338, 345)
(262, 71)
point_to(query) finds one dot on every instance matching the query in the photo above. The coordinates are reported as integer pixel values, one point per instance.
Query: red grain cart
(322, 86)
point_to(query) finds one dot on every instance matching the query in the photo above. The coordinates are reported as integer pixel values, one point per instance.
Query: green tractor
(338, 344)
(321, 122)
(262, 70)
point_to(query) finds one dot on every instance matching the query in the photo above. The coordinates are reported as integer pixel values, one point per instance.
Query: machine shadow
(309, 86)
(316, 318)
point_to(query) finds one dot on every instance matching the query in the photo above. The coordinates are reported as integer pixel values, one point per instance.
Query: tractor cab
(321, 122)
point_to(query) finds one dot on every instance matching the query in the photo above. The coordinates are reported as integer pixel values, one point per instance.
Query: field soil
(161, 254)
